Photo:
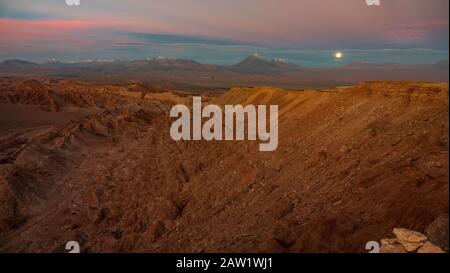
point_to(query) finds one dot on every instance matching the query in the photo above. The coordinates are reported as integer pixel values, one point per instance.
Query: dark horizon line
(87, 61)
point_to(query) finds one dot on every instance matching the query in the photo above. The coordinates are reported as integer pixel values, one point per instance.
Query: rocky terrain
(94, 163)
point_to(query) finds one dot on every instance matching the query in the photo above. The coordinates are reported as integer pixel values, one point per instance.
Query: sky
(307, 32)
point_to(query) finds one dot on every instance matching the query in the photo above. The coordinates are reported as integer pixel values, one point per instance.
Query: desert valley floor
(94, 163)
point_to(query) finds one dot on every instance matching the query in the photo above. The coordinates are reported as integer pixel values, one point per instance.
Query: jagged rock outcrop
(408, 241)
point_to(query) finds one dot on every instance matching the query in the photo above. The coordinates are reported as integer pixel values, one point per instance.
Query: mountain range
(253, 70)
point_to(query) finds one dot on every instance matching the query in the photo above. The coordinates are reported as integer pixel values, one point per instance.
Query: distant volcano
(256, 64)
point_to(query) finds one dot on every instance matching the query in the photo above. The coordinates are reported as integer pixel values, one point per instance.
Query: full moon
(338, 55)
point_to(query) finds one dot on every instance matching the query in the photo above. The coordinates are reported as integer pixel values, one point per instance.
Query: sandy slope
(351, 165)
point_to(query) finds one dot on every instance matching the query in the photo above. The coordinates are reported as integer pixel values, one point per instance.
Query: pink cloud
(405, 35)
(28, 30)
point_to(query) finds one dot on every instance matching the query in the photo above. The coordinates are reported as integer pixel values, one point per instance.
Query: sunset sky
(222, 31)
